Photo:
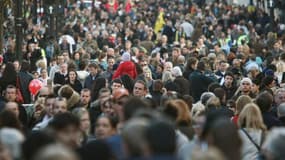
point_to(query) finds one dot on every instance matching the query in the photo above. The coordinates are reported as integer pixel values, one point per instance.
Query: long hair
(250, 117)
(241, 102)
(9, 73)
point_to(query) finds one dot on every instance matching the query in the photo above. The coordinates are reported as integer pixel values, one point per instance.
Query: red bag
(20, 98)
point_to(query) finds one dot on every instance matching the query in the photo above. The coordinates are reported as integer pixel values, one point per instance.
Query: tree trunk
(1, 27)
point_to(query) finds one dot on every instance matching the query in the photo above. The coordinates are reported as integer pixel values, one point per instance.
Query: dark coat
(89, 81)
(230, 92)
(59, 78)
(199, 84)
(270, 120)
(25, 78)
(76, 86)
(183, 85)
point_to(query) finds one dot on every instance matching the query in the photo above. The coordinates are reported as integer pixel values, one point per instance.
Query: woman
(9, 77)
(240, 103)
(84, 118)
(126, 67)
(190, 67)
(98, 84)
(105, 127)
(252, 131)
(73, 81)
(44, 76)
(148, 77)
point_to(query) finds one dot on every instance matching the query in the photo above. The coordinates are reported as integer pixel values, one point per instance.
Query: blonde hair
(241, 102)
(167, 76)
(250, 117)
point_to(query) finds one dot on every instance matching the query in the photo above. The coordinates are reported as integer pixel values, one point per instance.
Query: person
(265, 101)
(126, 67)
(244, 88)
(61, 76)
(180, 81)
(252, 131)
(83, 115)
(229, 85)
(105, 127)
(85, 98)
(60, 105)
(271, 148)
(140, 89)
(9, 77)
(66, 128)
(24, 78)
(93, 75)
(240, 103)
(198, 81)
(73, 81)
(116, 83)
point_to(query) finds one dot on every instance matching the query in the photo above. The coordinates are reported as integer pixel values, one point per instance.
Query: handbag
(20, 98)
(260, 155)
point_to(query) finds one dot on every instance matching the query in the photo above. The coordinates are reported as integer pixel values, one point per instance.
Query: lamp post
(19, 29)
(51, 20)
(271, 7)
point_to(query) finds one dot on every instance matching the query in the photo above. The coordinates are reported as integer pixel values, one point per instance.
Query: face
(103, 128)
(228, 80)
(85, 97)
(85, 122)
(223, 67)
(43, 73)
(106, 107)
(11, 94)
(245, 87)
(60, 59)
(111, 62)
(63, 68)
(280, 97)
(69, 136)
(59, 107)
(16, 65)
(77, 56)
(255, 88)
(72, 76)
(116, 86)
(13, 107)
(168, 67)
(92, 70)
(49, 106)
(198, 125)
(139, 90)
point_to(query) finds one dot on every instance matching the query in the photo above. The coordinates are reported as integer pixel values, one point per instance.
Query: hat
(245, 79)
(126, 56)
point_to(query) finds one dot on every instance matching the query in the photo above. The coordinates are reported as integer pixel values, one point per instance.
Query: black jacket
(25, 78)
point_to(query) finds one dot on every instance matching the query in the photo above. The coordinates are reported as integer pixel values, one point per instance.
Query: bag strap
(250, 138)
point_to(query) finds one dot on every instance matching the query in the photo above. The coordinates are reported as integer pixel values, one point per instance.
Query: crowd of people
(155, 79)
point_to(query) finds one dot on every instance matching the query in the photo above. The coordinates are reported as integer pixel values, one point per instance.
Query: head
(176, 71)
(106, 126)
(119, 98)
(83, 115)
(85, 96)
(168, 66)
(116, 83)
(229, 79)
(12, 107)
(140, 89)
(60, 106)
(49, 105)
(66, 128)
(11, 93)
(241, 102)
(245, 85)
(72, 75)
(264, 101)
(279, 96)
(93, 69)
(250, 117)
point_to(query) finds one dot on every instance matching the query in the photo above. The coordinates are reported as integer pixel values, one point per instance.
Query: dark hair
(35, 142)
(190, 62)
(264, 101)
(63, 120)
(213, 86)
(128, 82)
(229, 73)
(161, 138)
(117, 80)
(201, 66)
(25, 66)
(9, 119)
(10, 74)
(132, 106)
(112, 119)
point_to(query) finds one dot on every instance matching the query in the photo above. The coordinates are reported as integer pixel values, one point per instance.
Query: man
(199, 82)
(93, 74)
(244, 89)
(109, 72)
(61, 76)
(229, 85)
(13, 107)
(60, 106)
(85, 98)
(140, 89)
(49, 102)
(221, 71)
(116, 84)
